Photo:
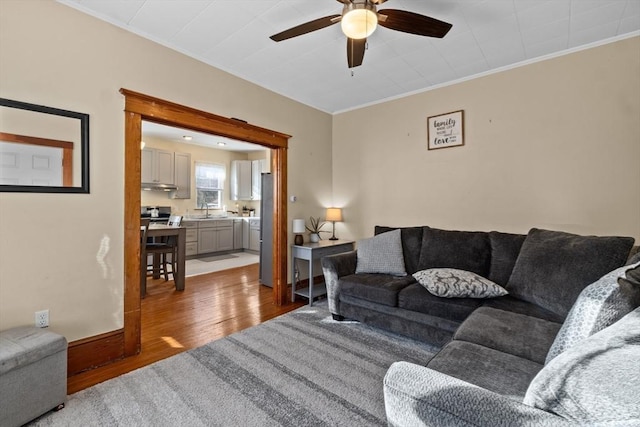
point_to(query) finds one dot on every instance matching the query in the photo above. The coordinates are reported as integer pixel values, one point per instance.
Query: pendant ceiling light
(359, 20)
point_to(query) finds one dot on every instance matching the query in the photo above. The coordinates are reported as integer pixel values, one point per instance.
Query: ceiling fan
(359, 20)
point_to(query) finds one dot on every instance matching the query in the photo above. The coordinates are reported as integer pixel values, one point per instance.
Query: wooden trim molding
(89, 353)
(139, 107)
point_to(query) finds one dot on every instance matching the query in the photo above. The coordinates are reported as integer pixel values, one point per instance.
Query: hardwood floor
(212, 306)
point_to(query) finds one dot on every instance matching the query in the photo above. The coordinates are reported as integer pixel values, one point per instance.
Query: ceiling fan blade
(355, 51)
(344, 1)
(413, 23)
(307, 27)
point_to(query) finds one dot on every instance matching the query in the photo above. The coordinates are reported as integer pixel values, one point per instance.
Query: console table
(312, 252)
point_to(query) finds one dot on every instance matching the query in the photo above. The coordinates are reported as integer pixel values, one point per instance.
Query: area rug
(217, 258)
(300, 369)
(196, 267)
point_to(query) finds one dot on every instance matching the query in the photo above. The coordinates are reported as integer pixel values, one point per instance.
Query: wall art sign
(445, 130)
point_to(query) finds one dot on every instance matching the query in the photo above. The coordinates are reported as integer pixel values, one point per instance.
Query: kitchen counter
(218, 234)
(229, 218)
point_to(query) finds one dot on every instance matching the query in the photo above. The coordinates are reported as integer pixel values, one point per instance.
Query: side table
(312, 252)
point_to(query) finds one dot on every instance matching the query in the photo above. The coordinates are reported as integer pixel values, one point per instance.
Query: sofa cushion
(485, 367)
(596, 382)
(411, 244)
(509, 332)
(509, 303)
(598, 306)
(464, 250)
(505, 248)
(454, 283)
(378, 288)
(553, 267)
(634, 256)
(381, 254)
(427, 329)
(416, 298)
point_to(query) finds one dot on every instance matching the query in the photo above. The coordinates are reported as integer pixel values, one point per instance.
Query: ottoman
(33, 374)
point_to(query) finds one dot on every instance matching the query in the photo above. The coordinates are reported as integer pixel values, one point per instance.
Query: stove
(164, 212)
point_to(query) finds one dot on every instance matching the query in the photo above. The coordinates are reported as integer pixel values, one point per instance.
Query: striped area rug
(300, 369)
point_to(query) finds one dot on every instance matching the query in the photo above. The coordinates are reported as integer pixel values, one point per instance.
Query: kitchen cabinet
(237, 234)
(240, 180)
(246, 180)
(215, 236)
(257, 167)
(157, 166)
(254, 235)
(182, 175)
(245, 234)
(225, 237)
(191, 247)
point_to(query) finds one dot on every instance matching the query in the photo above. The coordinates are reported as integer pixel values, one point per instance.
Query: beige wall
(65, 252)
(554, 144)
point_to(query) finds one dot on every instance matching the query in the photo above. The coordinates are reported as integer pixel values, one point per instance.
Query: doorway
(139, 107)
(193, 156)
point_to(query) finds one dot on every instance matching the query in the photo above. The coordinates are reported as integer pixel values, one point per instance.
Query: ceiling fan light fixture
(359, 21)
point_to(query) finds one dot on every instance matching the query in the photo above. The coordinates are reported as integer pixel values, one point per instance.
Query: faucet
(206, 206)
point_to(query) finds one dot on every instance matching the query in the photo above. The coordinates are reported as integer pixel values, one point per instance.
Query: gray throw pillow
(598, 306)
(381, 254)
(596, 382)
(553, 267)
(453, 283)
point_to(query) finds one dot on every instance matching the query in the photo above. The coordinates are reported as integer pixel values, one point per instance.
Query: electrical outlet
(42, 318)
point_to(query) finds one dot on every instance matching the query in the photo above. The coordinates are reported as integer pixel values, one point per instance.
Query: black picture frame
(84, 147)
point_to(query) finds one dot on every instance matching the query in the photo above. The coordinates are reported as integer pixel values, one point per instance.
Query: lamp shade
(298, 226)
(359, 22)
(334, 214)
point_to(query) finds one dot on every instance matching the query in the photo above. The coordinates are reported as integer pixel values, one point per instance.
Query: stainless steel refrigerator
(266, 230)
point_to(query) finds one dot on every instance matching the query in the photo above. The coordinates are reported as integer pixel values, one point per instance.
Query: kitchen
(215, 184)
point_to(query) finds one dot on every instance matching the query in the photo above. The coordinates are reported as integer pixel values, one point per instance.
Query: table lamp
(333, 215)
(298, 229)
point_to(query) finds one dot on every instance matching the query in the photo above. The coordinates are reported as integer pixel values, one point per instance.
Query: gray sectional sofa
(492, 347)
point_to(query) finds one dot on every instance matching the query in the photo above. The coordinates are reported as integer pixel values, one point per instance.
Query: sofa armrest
(334, 267)
(418, 396)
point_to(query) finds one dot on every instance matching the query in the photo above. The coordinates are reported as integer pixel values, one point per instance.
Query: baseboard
(92, 352)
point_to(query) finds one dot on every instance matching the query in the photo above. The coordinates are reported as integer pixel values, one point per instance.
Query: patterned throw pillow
(381, 254)
(453, 283)
(599, 305)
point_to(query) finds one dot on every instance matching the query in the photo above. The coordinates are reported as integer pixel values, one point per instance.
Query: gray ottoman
(33, 374)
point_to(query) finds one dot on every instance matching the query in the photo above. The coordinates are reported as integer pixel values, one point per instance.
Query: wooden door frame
(139, 107)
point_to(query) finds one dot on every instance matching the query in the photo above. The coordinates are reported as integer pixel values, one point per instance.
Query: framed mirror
(43, 149)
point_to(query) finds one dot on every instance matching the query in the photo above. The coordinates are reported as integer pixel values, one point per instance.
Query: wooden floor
(212, 306)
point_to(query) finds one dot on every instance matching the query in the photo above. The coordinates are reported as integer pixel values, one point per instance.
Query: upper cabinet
(240, 184)
(167, 171)
(246, 179)
(257, 167)
(157, 166)
(182, 175)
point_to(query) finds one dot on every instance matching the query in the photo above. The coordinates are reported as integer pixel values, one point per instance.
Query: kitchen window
(209, 185)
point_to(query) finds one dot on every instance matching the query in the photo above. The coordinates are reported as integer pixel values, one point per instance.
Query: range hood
(155, 186)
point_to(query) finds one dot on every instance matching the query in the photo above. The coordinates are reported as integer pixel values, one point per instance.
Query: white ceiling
(233, 35)
(174, 134)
